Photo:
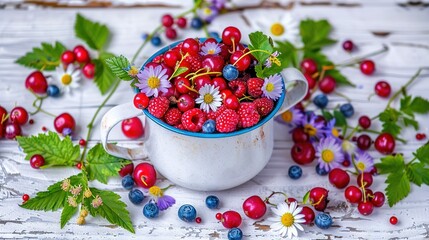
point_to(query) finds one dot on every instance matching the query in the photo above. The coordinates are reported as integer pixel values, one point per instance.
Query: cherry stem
(267, 199)
(343, 96)
(194, 73)
(403, 88)
(190, 88)
(246, 97)
(360, 59)
(206, 73)
(166, 188)
(250, 52)
(177, 67)
(354, 163)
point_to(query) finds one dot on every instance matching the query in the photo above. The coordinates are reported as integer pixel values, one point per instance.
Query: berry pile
(10, 124)
(207, 86)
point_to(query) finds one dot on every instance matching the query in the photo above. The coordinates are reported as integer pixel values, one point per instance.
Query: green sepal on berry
(55, 151)
(47, 57)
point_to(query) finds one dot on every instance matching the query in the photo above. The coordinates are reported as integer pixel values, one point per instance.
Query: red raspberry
(193, 120)
(158, 106)
(195, 62)
(264, 106)
(173, 116)
(213, 115)
(238, 88)
(227, 121)
(249, 116)
(180, 126)
(254, 87)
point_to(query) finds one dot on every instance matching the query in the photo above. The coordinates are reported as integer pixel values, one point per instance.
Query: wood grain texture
(407, 38)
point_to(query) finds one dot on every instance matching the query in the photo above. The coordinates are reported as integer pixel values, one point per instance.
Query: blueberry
(127, 182)
(230, 72)
(212, 202)
(187, 213)
(321, 171)
(235, 234)
(150, 210)
(209, 126)
(295, 172)
(321, 100)
(144, 36)
(53, 90)
(156, 40)
(214, 35)
(196, 23)
(136, 196)
(347, 110)
(323, 220)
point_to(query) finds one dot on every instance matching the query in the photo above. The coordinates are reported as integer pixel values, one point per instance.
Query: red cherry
(232, 102)
(365, 208)
(82, 55)
(36, 161)
(36, 82)
(308, 214)
(224, 51)
(244, 62)
(89, 70)
(225, 93)
(141, 101)
(11, 130)
(185, 102)
(144, 175)
(170, 33)
(368, 194)
(172, 57)
(3, 114)
(167, 20)
(364, 142)
(367, 67)
(382, 89)
(25, 197)
(231, 35)
(171, 70)
(364, 180)
(339, 178)
(419, 136)
(182, 85)
(62, 121)
(219, 82)
(126, 170)
(378, 199)
(1, 130)
(209, 40)
(68, 57)
(327, 84)
(213, 63)
(181, 22)
(158, 59)
(82, 142)
(190, 46)
(298, 135)
(303, 152)
(310, 80)
(132, 128)
(231, 219)
(254, 207)
(170, 92)
(353, 194)
(385, 143)
(19, 115)
(309, 66)
(201, 81)
(291, 199)
(198, 220)
(365, 122)
(31, 121)
(348, 45)
(393, 220)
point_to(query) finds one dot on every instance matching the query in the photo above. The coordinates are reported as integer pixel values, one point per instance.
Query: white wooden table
(403, 26)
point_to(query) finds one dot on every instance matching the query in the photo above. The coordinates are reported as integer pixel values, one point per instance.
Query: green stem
(412, 160)
(359, 59)
(375, 132)
(206, 31)
(250, 52)
(343, 96)
(403, 88)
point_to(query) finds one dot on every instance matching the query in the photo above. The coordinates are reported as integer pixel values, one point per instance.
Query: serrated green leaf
(101, 165)
(179, 71)
(67, 214)
(418, 174)
(118, 66)
(289, 50)
(411, 122)
(339, 77)
(389, 118)
(419, 105)
(104, 78)
(391, 164)
(422, 153)
(112, 209)
(340, 120)
(315, 34)
(398, 187)
(47, 57)
(404, 105)
(260, 41)
(93, 33)
(55, 151)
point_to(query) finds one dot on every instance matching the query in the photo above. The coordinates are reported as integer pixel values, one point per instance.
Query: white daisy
(68, 78)
(272, 87)
(209, 98)
(287, 219)
(153, 80)
(284, 27)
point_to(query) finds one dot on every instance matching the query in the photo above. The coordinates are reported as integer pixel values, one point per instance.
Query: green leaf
(306, 197)
(104, 78)
(422, 153)
(179, 71)
(418, 174)
(112, 209)
(411, 122)
(56, 152)
(101, 165)
(287, 49)
(67, 214)
(315, 34)
(339, 77)
(260, 41)
(419, 105)
(47, 57)
(391, 164)
(118, 66)
(404, 105)
(389, 118)
(398, 187)
(93, 33)
(340, 120)
(327, 115)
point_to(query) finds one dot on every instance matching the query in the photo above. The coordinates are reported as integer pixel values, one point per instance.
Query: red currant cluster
(168, 21)
(81, 56)
(10, 124)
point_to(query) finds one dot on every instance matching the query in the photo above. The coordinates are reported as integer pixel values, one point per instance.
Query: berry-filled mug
(205, 161)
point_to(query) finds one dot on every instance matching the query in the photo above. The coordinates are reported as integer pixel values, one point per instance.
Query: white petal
(277, 211)
(276, 226)
(301, 220)
(293, 230)
(283, 232)
(298, 226)
(289, 233)
(297, 211)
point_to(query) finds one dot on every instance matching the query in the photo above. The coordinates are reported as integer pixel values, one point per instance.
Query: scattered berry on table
(308, 214)
(385, 143)
(171, 33)
(393, 220)
(68, 57)
(353, 194)
(196, 23)
(367, 67)
(212, 202)
(36, 82)
(254, 207)
(364, 180)
(319, 197)
(12, 130)
(295, 172)
(309, 66)
(365, 122)
(323, 220)
(327, 84)
(231, 219)
(339, 178)
(151, 210)
(81, 54)
(347, 110)
(320, 100)
(144, 175)
(198, 220)
(420, 136)
(127, 169)
(235, 234)
(321, 171)
(167, 20)
(181, 22)
(303, 152)
(63, 121)
(88, 70)
(156, 41)
(382, 89)
(79, 165)
(378, 199)
(53, 90)
(348, 45)
(128, 182)
(82, 142)
(219, 216)
(187, 213)
(19, 115)
(25, 197)
(136, 196)
(365, 208)
(36, 161)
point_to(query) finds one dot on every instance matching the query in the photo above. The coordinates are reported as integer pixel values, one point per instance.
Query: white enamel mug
(201, 161)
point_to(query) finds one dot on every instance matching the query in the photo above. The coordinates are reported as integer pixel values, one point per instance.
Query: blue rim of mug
(158, 121)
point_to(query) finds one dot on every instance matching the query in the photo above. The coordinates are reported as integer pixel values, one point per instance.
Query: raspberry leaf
(398, 187)
(119, 66)
(391, 164)
(47, 57)
(422, 153)
(67, 214)
(93, 33)
(55, 151)
(100, 165)
(104, 77)
(260, 41)
(315, 34)
(389, 117)
(411, 105)
(288, 49)
(418, 174)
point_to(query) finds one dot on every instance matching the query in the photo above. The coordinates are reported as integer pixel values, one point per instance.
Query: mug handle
(296, 88)
(112, 118)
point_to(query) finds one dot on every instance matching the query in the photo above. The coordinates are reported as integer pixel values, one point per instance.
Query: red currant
(79, 165)
(89, 70)
(254, 207)
(310, 80)
(367, 67)
(308, 214)
(303, 152)
(31, 121)
(19, 115)
(378, 199)
(126, 170)
(339, 178)
(420, 136)
(365, 122)
(68, 57)
(353, 194)
(181, 22)
(308, 66)
(364, 180)
(132, 128)
(365, 208)
(44, 129)
(219, 216)
(385, 143)
(170, 33)
(82, 55)
(327, 84)
(298, 135)
(244, 62)
(62, 121)
(190, 46)
(348, 45)
(25, 197)
(364, 142)
(393, 220)
(36, 82)
(141, 101)
(382, 89)
(172, 57)
(82, 142)
(231, 219)
(232, 102)
(11, 130)
(167, 20)
(185, 102)
(36, 161)
(144, 175)
(198, 220)
(231, 35)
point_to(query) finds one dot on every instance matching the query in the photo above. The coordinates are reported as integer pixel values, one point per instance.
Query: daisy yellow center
(208, 98)
(287, 116)
(133, 71)
(287, 219)
(153, 82)
(275, 60)
(211, 51)
(335, 132)
(66, 79)
(155, 191)
(310, 130)
(277, 29)
(327, 155)
(360, 166)
(207, 11)
(269, 87)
